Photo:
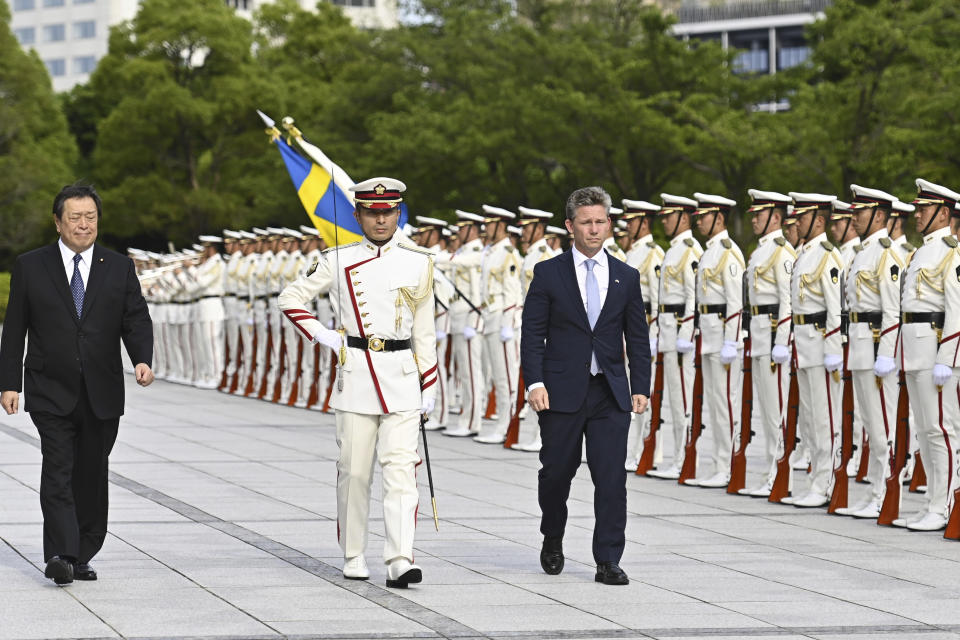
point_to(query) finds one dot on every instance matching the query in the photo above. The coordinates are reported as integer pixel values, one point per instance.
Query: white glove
(329, 338)
(506, 333)
(428, 404)
(684, 346)
(441, 335)
(884, 366)
(941, 374)
(780, 354)
(728, 352)
(832, 362)
(653, 345)
(330, 323)
(469, 333)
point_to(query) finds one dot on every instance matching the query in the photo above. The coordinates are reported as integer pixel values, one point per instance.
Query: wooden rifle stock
(513, 431)
(738, 463)
(890, 510)
(841, 483)
(656, 401)
(689, 469)
(781, 483)
(864, 459)
(919, 478)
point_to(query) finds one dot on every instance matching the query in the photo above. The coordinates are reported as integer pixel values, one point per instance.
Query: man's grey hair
(585, 197)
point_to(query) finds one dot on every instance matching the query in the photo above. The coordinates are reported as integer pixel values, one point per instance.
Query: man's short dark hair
(75, 190)
(586, 197)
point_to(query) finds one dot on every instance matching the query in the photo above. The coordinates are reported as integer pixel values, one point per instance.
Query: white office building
(366, 14)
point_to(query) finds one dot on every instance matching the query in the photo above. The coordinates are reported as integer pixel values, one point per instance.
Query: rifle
(783, 482)
(738, 462)
(841, 483)
(656, 401)
(513, 431)
(919, 478)
(689, 469)
(890, 510)
(864, 459)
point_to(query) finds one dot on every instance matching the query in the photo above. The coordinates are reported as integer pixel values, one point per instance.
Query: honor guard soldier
(500, 301)
(929, 332)
(430, 237)
(873, 304)
(382, 290)
(250, 246)
(843, 232)
(293, 266)
(720, 306)
(260, 294)
(311, 362)
(533, 225)
(466, 322)
(902, 212)
(646, 256)
(231, 285)
(207, 288)
(675, 319)
(280, 243)
(790, 228)
(610, 244)
(768, 292)
(815, 298)
(554, 237)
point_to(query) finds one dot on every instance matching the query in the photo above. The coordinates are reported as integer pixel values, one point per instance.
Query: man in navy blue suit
(581, 307)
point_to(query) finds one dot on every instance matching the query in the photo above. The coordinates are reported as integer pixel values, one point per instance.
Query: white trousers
(467, 354)
(439, 416)
(770, 389)
(308, 371)
(291, 348)
(231, 328)
(878, 408)
(273, 317)
(260, 327)
(722, 392)
(935, 414)
(364, 439)
(503, 371)
(210, 350)
(245, 334)
(820, 402)
(678, 386)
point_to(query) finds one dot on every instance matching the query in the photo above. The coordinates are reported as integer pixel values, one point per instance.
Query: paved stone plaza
(223, 526)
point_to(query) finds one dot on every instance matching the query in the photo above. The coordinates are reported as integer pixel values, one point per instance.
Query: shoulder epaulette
(688, 242)
(652, 244)
(312, 268)
(342, 246)
(780, 241)
(885, 243)
(476, 248)
(826, 246)
(510, 248)
(909, 247)
(858, 248)
(543, 248)
(950, 241)
(726, 243)
(416, 249)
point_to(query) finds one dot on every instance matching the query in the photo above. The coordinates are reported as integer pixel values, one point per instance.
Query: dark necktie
(76, 284)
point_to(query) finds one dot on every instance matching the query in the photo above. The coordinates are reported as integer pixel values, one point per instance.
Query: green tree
(37, 152)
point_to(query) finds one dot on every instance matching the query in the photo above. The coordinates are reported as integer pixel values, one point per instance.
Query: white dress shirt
(601, 270)
(86, 258)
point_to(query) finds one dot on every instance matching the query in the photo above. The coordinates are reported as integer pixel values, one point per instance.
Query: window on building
(56, 66)
(238, 4)
(792, 48)
(24, 5)
(84, 1)
(84, 64)
(26, 35)
(85, 29)
(754, 54)
(54, 32)
(53, 3)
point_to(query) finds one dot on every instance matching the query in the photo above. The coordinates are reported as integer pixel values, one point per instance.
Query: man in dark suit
(580, 308)
(76, 301)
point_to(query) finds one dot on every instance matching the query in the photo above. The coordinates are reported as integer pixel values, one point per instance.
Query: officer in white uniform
(815, 297)
(501, 297)
(275, 277)
(466, 322)
(206, 286)
(646, 256)
(675, 320)
(310, 354)
(250, 244)
(260, 296)
(720, 308)
(382, 291)
(430, 236)
(929, 336)
(231, 241)
(610, 243)
(293, 266)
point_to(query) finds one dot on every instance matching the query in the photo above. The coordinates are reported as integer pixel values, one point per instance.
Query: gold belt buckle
(797, 319)
(375, 344)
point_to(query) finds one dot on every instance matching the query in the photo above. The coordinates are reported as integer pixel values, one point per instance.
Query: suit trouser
(467, 354)
(770, 389)
(722, 391)
(73, 479)
(605, 426)
(503, 368)
(678, 385)
(878, 408)
(936, 425)
(364, 439)
(820, 400)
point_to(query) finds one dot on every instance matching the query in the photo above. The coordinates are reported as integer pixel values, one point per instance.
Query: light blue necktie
(593, 306)
(76, 284)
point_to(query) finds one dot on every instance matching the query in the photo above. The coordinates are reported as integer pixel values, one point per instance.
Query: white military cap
(379, 193)
(555, 231)
(261, 232)
(902, 209)
(514, 230)
(709, 203)
(453, 229)
(930, 193)
(840, 210)
(310, 231)
(408, 228)
(274, 231)
(766, 199)
(292, 233)
(231, 235)
(528, 215)
(246, 235)
(615, 212)
(864, 198)
(170, 258)
(638, 208)
(445, 232)
(496, 214)
(804, 202)
(197, 247)
(672, 204)
(209, 240)
(465, 217)
(424, 221)
(621, 224)
(154, 256)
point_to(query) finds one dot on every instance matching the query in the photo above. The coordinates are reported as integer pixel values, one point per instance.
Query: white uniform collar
(850, 244)
(875, 237)
(936, 235)
(677, 239)
(814, 242)
(717, 238)
(776, 233)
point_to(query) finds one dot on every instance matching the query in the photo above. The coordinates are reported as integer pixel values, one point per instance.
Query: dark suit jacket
(556, 341)
(63, 351)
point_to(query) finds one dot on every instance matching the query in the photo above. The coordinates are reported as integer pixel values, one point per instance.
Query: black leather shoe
(551, 555)
(83, 571)
(59, 570)
(611, 573)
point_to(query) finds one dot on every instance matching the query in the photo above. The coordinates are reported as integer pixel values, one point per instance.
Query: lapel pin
(101, 260)
(615, 281)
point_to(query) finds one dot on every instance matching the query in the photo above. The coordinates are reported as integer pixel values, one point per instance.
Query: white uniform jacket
(815, 289)
(873, 287)
(768, 286)
(720, 285)
(646, 256)
(677, 289)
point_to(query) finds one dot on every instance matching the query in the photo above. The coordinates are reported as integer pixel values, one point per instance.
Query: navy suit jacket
(556, 341)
